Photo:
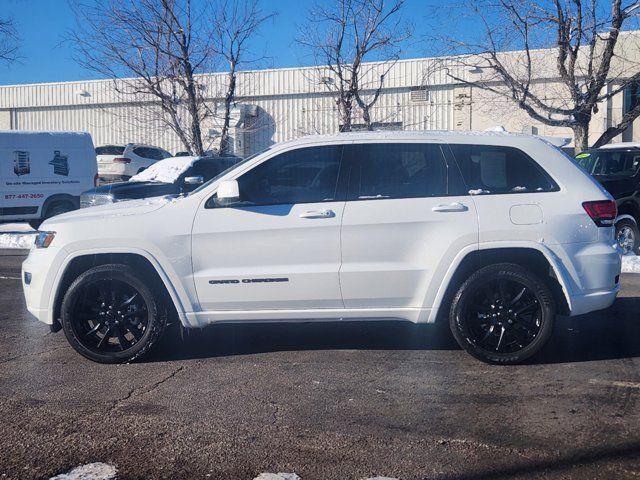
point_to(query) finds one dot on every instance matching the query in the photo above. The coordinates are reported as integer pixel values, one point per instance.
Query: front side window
(397, 170)
(305, 175)
(494, 169)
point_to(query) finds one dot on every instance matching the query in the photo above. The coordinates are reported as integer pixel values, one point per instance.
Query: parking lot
(338, 401)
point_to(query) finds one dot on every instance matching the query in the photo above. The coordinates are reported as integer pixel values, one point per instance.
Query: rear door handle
(451, 207)
(318, 214)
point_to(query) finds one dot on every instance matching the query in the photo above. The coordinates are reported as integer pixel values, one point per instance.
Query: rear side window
(305, 175)
(396, 170)
(152, 153)
(109, 150)
(495, 169)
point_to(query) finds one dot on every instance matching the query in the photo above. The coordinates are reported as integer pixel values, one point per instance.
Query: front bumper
(43, 265)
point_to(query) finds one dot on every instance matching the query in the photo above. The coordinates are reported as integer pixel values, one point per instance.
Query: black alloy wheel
(109, 315)
(502, 314)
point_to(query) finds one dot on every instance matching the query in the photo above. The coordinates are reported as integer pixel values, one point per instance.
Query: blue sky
(47, 58)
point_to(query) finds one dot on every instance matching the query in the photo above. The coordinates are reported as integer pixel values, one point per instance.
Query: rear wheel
(110, 315)
(502, 314)
(627, 235)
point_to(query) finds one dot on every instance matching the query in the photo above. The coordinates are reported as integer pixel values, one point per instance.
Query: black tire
(35, 224)
(135, 330)
(628, 236)
(58, 209)
(52, 210)
(503, 306)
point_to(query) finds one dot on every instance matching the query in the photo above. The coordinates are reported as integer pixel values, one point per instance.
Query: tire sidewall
(511, 272)
(123, 273)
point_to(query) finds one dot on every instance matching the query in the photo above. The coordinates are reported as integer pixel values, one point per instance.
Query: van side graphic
(60, 164)
(21, 165)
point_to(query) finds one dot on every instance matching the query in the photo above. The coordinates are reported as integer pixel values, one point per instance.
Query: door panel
(279, 248)
(402, 225)
(267, 257)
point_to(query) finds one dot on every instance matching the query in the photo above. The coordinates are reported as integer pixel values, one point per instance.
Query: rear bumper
(591, 274)
(581, 304)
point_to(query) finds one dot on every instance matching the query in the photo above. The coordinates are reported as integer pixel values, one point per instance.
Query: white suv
(121, 162)
(496, 232)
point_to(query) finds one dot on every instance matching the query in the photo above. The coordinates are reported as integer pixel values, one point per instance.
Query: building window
(631, 97)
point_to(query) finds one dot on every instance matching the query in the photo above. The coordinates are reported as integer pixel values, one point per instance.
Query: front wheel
(109, 315)
(502, 314)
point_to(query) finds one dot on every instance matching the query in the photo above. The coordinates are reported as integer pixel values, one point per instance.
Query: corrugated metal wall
(291, 102)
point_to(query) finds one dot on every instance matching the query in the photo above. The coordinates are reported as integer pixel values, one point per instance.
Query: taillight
(95, 180)
(602, 212)
(121, 160)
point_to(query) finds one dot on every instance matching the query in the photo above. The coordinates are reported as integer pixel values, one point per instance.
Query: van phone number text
(20, 196)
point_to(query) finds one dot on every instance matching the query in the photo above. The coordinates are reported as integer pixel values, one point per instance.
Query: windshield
(224, 172)
(614, 163)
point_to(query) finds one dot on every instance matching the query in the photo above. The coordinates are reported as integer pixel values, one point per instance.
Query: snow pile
(90, 471)
(165, 171)
(16, 235)
(630, 264)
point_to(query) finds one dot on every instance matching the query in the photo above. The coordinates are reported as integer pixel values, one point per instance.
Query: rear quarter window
(493, 169)
(109, 150)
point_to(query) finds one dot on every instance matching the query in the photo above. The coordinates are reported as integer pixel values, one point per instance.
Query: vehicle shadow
(609, 334)
(564, 462)
(244, 339)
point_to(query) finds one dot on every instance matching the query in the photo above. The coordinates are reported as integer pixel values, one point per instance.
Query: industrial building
(280, 104)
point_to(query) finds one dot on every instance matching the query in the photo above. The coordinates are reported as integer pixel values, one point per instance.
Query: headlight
(95, 200)
(44, 239)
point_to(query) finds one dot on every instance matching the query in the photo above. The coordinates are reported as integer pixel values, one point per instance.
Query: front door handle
(318, 214)
(450, 207)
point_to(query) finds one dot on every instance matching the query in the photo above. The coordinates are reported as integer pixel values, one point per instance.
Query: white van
(42, 174)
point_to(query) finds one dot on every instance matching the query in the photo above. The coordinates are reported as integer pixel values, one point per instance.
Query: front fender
(170, 279)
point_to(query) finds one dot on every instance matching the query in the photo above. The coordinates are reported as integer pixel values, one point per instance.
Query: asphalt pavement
(324, 401)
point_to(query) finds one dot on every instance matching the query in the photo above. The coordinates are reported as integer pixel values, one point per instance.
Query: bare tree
(8, 40)
(153, 51)
(345, 35)
(590, 60)
(235, 22)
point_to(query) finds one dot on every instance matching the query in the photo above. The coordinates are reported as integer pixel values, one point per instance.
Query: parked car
(172, 176)
(496, 232)
(118, 163)
(617, 168)
(43, 173)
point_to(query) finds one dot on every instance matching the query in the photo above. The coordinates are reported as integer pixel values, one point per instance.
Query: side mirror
(199, 180)
(228, 192)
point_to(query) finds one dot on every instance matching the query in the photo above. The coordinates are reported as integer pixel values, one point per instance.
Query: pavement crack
(31, 354)
(143, 390)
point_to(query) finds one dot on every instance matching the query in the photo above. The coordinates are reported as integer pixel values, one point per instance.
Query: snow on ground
(277, 476)
(90, 471)
(15, 227)
(166, 171)
(630, 264)
(16, 235)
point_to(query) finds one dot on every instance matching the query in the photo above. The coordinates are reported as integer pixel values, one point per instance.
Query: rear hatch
(110, 159)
